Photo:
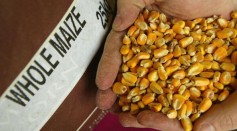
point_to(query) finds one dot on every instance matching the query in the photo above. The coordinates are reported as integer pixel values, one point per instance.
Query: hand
(127, 12)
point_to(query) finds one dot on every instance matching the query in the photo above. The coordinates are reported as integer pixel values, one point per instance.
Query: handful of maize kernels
(176, 67)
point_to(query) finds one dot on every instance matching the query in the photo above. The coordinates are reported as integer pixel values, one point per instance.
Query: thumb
(221, 117)
(127, 12)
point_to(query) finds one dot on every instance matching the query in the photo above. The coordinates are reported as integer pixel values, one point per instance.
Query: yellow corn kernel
(130, 77)
(166, 58)
(153, 76)
(200, 81)
(156, 65)
(158, 53)
(119, 88)
(126, 40)
(195, 116)
(163, 100)
(220, 53)
(136, 49)
(196, 36)
(153, 16)
(225, 33)
(178, 27)
(186, 94)
(156, 107)
(169, 97)
(187, 124)
(130, 32)
(125, 108)
(182, 89)
(172, 114)
(162, 83)
(159, 42)
(175, 62)
(136, 98)
(230, 50)
(215, 65)
(124, 82)
(208, 57)
(233, 14)
(207, 65)
(175, 82)
(222, 22)
(218, 42)
(194, 92)
(133, 62)
(195, 69)
(142, 71)
(202, 88)
(145, 14)
(140, 23)
(204, 105)
(165, 110)
(189, 108)
(124, 68)
(134, 70)
(191, 50)
(142, 39)
(182, 111)
(216, 90)
(227, 66)
(208, 94)
(218, 85)
(163, 27)
(141, 105)
(144, 83)
(167, 63)
(180, 74)
(195, 107)
(133, 92)
(148, 98)
(124, 50)
(151, 38)
(185, 42)
(156, 88)
(223, 95)
(210, 48)
(128, 56)
(225, 78)
(185, 60)
(198, 57)
(206, 74)
(162, 73)
(146, 63)
(177, 51)
(190, 24)
(178, 101)
(134, 109)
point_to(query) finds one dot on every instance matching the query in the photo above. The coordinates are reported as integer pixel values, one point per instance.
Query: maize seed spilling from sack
(180, 68)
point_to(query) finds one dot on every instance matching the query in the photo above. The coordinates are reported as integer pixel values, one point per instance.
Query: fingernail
(117, 22)
(206, 127)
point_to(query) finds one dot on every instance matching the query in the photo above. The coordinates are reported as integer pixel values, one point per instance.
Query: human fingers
(127, 12)
(158, 121)
(221, 117)
(105, 99)
(128, 120)
(110, 61)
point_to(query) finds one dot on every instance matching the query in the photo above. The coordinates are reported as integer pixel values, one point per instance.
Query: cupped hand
(127, 12)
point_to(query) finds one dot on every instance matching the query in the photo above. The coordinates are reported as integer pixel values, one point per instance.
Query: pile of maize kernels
(176, 67)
